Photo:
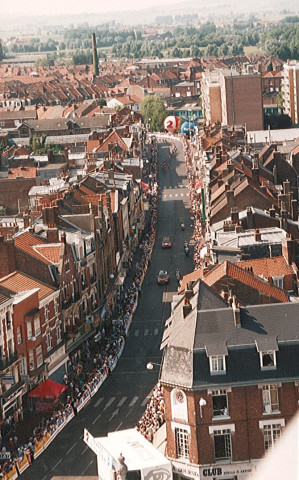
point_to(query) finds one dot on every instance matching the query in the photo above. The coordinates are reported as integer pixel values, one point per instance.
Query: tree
(102, 102)
(154, 112)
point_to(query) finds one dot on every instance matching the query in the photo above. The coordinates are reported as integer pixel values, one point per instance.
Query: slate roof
(203, 333)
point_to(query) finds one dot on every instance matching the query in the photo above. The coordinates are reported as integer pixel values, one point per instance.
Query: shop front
(232, 471)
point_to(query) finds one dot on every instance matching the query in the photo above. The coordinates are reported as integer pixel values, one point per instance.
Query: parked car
(166, 242)
(163, 277)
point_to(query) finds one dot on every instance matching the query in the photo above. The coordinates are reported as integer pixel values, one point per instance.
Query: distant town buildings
(290, 86)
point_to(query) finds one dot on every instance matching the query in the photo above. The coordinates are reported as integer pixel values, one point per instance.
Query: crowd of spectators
(154, 416)
(195, 202)
(88, 368)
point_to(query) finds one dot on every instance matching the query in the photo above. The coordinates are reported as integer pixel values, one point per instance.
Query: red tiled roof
(28, 243)
(24, 172)
(49, 252)
(19, 282)
(268, 267)
(232, 270)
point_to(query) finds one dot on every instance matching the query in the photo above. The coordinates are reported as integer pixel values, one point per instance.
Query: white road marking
(70, 449)
(98, 402)
(59, 461)
(85, 469)
(85, 449)
(156, 331)
(136, 333)
(146, 332)
(96, 419)
(144, 402)
(122, 401)
(133, 402)
(109, 402)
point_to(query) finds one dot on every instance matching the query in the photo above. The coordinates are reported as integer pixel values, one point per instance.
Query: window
(270, 399)
(31, 360)
(278, 281)
(271, 433)
(268, 359)
(48, 339)
(29, 330)
(19, 335)
(39, 356)
(8, 320)
(182, 443)
(220, 405)
(67, 265)
(217, 364)
(56, 306)
(222, 444)
(58, 332)
(46, 309)
(37, 330)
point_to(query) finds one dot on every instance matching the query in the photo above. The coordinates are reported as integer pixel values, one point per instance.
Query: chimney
(286, 187)
(249, 217)
(95, 55)
(218, 159)
(224, 295)
(52, 235)
(50, 155)
(257, 235)
(187, 307)
(26, 220)
(234, 215)
(230, 196)
(236, 313)
(275, 180)
(238, 229)
(66, 154)
(272, 211)
(63, 237)
(288, 250)
(294, 210)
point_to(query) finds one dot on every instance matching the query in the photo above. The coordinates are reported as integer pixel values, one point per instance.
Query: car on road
(166, 242)
(163, 277)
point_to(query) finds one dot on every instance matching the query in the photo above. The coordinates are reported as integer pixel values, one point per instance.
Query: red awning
(47, 389)
(144, 186)
(198, 186)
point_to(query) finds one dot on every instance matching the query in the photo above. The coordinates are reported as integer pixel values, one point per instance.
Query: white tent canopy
(138, 452)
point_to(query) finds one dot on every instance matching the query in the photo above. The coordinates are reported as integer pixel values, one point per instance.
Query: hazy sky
(54, 7)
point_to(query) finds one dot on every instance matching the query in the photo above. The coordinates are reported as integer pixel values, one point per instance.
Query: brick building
(230, 380)
(290, 85)
(233, 98)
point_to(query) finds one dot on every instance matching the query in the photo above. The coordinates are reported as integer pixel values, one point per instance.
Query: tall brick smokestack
(95, 55)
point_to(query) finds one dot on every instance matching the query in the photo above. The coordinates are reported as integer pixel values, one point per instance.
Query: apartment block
(233, 97)
(290, 86)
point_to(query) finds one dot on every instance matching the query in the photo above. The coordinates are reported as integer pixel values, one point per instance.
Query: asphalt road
(121, 400)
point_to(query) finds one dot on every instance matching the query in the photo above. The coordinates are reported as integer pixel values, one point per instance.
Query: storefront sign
(8, 380)
(190, 471)
(5, 455)
(240, 470)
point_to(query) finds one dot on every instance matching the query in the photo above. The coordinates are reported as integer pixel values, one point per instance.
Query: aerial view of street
(149, 240)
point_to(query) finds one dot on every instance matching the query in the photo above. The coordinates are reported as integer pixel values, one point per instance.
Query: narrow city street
(121, 400)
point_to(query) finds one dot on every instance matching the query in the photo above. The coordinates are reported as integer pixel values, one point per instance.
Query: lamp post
(150, 365)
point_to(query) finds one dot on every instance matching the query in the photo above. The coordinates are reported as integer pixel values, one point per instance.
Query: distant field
(253, 51)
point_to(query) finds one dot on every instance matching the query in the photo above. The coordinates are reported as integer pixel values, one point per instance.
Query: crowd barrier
(21, 466)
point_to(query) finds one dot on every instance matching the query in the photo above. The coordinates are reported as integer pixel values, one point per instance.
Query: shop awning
(47, 389)
(144, 185)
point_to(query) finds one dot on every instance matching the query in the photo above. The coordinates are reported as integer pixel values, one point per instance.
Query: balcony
(6, 362)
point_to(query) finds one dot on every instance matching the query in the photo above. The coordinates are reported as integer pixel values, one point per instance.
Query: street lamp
(202, 403)
(150, 365)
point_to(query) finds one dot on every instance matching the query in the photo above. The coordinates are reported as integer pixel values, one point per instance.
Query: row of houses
(229, 372)
(63, 263)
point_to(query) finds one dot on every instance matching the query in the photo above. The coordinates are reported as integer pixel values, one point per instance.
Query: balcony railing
(6, 362)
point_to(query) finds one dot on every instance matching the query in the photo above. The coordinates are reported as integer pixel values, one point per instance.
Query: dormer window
(217, 364)
(268, 359)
